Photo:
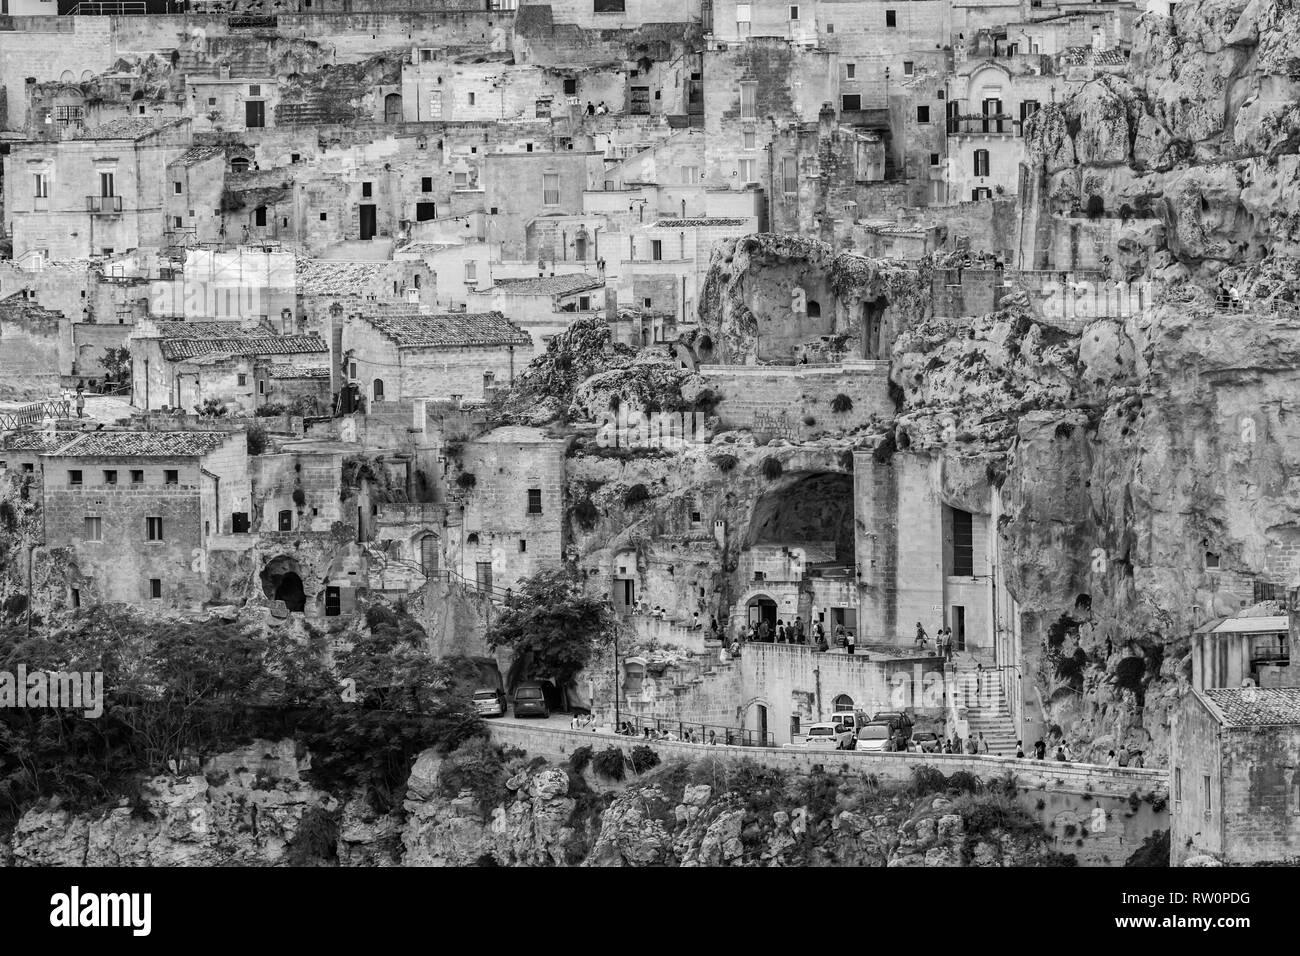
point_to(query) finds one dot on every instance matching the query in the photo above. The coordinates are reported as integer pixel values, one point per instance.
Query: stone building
(524, 188)
(184, 364)
(139, 510)
(30, 337)
(511, 521)
(100, 192)
(1235, 787)
(543, 307)
(397, 354)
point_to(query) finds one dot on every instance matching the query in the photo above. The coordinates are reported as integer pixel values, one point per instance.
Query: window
(1027, 109)
(176, 221)
(294, 157)
(76, 598)
(746, 170)
(137, 476)
(471, 271)
(908, 68)
(106, 185)
(426, 184)
(74, 476)
(744, 18)
(748, 139)
(983, 192)
(523, 545)
(471, 99)
(1269, 592)
(1209, 802)
(934, 159)
(366, 190)
(690, 175)
(850, 70)
(285, 521)
(748, 100)
(153, 529)
(243, 378)
(607, 6)
(923, 114)
(378, 387)
(171, 476)
(851, 101)
(963, 549)
(212, 101)
(1178, 785)
(656, 250)
(94, 529)
(789, 175)
(261, 387)
(110, 476)
(460, 180)
(534, 501)
(42, 185)
(424, 211)
(550, 189)
(254, 89)
(981, 162)
(352, 370)
(570, 86)
(891, 18)
(584, 303)
(254, 114)
(155, 588)
(830, 28)
(1211, 561)
(322, 217)
(794, 13)
(259, 216)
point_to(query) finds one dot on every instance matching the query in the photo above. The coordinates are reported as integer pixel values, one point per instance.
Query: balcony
(104, 205)
(994, 124)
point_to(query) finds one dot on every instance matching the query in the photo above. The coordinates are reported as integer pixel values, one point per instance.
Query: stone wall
(781, 398)
(29, 350)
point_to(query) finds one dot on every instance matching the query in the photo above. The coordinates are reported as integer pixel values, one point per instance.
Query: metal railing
(37, 412)
(103, 205)
(108, 8)
(694, 732)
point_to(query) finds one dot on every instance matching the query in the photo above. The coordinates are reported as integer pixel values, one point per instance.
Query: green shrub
(771, 468)
(479, 767)
(316, 840)
(841, 403)
(256, 439)
(579, 759)
(1154, 851)
(809, 421)
(609, 763)
(270, 410)
(466, 480)
(724, 463)
(585, 513)
(644, 758)
(635, 495)
(927, 780)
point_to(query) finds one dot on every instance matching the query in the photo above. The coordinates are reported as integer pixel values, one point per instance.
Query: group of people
(688, 736)
(794, 632)
(600, 110)
(943, 641)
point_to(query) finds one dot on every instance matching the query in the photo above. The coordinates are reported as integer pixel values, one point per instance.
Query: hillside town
(893, 384)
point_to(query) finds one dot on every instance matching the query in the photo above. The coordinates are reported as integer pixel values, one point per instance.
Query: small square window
(243, 378)
(322, 217)
(28, 467)
(153, 529)
(523, 545)
(934, 159)
(110, 476)
(255, 89)
(176, 188)
(534, 501)
(212, 101)
(426, 184)
(94, 529)
(171, 476)
(137, 476)
(1211, 561)
(923, 114)
(365, 190)
(908, 68)
(891, 18)
(74, 476)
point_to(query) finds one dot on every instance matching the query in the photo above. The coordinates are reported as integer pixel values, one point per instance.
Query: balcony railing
(979, 123)
(103, 205)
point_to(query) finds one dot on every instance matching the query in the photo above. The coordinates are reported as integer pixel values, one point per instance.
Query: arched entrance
(393, 108)
(761, 608)
(282, 581)
(843, 702)
(429, 555)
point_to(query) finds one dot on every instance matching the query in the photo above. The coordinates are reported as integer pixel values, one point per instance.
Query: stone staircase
(988, 712)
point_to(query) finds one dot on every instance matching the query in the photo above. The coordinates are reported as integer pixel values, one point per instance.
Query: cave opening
(282, 581)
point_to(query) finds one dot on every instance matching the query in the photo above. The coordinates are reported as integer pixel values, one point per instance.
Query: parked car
(873, 737)
(896, 719)
(825, 736)
(490, 702)
(853, 719)
(927, 741)
(530, 700)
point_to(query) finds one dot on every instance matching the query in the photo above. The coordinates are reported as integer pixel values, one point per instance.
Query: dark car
(530, 700)
(490, 702)
(897, 720)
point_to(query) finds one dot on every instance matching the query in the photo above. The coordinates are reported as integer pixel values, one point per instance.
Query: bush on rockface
(771, 468)
(609, 763)
(724, 463)
(644, 758)
(479, 768)
(841, 403)
(635, 495)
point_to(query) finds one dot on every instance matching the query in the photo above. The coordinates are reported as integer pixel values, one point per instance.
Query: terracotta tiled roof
(295, 371)
(128, 129)
(35, 441)
(198, 154)
(177, 349)
(455, 330)
(691, 223)
(339, 277)
(202, 330)
(1250, 706)
(547, 285)
(109, 444)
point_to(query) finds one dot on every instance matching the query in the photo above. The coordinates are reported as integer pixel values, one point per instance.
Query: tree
(117, 364)
(552, 627)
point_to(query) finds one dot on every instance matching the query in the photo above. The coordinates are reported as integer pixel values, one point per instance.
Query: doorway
(393, 108)
(762, 609)
(254, 114)
(625, 593)
(429, 555)
(333, 602)
(762, 723)
(369, 219)
(959, 627)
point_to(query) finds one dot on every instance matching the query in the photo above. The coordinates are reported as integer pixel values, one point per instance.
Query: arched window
(814, 309)
(239, 165)
(286, 520)
(843, 702)
(580, 246)
(379, 389)
(393, 108)
(472, 539)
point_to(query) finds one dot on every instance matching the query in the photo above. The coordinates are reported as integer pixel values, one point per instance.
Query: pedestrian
(81, 397)
(1020, 749)
(947, 747)
(983, 744)
(1123, 757)
(840, 634)
(921, 636)
(735, 649)
(849, 642)
(947, 642)
(1111, 760)
(602, 109)
(819, 633)
(1040, 750)
(798, 629)
(780, 631)
(713, 737)
(1060, 753)
(1138, 761)
(591, 109)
